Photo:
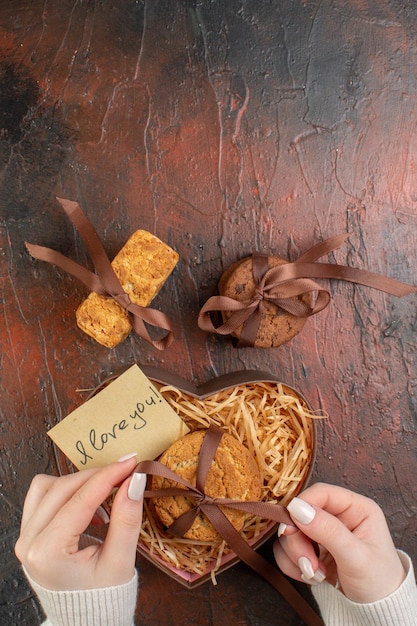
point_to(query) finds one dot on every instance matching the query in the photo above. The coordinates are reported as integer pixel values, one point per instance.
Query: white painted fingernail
(309, 581)
(319, 576)
(125, 457)
(136, 486)
(281, 529)
(301, 511)
(306, 567)
(316, 580)
(307, 572)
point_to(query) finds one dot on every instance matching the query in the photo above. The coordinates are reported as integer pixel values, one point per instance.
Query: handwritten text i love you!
(129, 415)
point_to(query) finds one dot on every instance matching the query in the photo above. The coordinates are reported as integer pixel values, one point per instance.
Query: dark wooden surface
(222, 127)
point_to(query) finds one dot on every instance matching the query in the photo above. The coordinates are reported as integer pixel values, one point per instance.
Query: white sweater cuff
(399, 608)
(92, 607)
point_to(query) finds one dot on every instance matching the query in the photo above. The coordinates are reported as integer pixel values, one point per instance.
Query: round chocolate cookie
(276, 325)
(234, 474)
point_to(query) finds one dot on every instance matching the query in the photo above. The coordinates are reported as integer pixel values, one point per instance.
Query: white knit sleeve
(397, 609)
(93, 607)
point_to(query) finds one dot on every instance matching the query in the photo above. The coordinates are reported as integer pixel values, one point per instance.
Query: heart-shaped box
(223, 383)
(205, 392)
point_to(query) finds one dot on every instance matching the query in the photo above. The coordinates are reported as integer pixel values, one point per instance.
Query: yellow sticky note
(129, 415)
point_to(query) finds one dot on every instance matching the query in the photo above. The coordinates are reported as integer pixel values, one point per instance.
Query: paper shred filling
(275, 425)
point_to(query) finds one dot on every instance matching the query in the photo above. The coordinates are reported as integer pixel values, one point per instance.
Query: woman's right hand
(357, 553)
(56, 513)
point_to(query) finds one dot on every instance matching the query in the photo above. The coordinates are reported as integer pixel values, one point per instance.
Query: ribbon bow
(285, 286)
(105, 282)
(212, 508)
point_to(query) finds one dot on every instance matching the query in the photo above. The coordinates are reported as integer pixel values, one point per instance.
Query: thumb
(119, 549)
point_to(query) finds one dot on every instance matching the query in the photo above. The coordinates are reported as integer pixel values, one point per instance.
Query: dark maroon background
(222, 127)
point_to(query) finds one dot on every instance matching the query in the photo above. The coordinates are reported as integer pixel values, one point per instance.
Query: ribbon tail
(167, 492)
(139, 315)
(183, 523)
(159, 469)
(250, 329)
(207, 451)
(322, 248)
(270, 573)
(394, 287)
(94, 245)
(265, 510)
(90, 280)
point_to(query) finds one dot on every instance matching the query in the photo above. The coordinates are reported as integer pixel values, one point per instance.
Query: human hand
(357, 553)
(58, 510)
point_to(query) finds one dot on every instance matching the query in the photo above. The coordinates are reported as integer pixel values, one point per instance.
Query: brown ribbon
(283, 286)
(211, 507)
(104, 282)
